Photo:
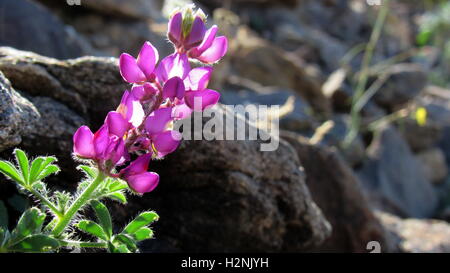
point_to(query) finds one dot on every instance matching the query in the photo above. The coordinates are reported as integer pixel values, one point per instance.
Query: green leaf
(117, 185)
(29, 223)
(89, 171)
(92, 228)
(36, 168)
(103, 216)
(122, 249)
(49, 170)
(10, 171)
(35, 243)
(126, 240)
(423, 37)
(22, 162)
(142, 220)
(143, 234)
(3, 216)
(118, 196)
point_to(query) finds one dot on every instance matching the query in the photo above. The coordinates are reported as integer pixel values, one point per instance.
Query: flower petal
(198, 78)
(157, 121)
(174, 28)
(117, 125)
(206, 43)
(166, 142)
(147, 59)
(129, 69)
(181, 111)
(101, 142)
(200, 100)
(175, 65)
(214, 53)
(173, 88)
(83, 142)
(144, 182)
(196, 34)
(139, 165)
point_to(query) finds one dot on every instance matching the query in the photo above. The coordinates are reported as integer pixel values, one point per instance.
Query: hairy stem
(46, 202)
(82, 199)
(70, 243)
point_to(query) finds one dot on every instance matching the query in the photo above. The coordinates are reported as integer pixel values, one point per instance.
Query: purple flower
(83, 142)
(161, 93)
(186, 29)
(137, 176)
(141, 69)
(175, 65)
(164, 140)
(212, 49)
(105, 148)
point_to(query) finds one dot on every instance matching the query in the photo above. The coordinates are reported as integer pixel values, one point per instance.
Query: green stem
(364, 74)
(69, 243)
(82, 199)
(46, 202)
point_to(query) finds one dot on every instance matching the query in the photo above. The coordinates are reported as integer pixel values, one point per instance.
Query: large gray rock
(91, 86)
(336, 190)
(29, 26)
(137, 9)
(241, 199)
(256, 59)
(17, 115)
(296, 114)
(434, 164)
(416, 235)
(404, 83)
(394, 174)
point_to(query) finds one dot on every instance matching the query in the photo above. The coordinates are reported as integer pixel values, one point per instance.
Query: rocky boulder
(394, 174)
(336, 190)
(241, 199)
(91, 86)
(29, 26)
(416, 235)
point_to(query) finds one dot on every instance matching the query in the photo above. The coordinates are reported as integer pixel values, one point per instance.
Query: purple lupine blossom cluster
(161, 93)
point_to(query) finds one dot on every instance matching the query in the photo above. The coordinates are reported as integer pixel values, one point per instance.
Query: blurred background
(364, 88)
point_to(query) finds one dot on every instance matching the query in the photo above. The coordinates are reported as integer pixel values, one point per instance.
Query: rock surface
(336, 190)
(394, 173)
(239, 198)
(29, 26)
(91, 86)
(17, 115)
(415, 235)
(137, 9)
(404, 83)
(434, 165)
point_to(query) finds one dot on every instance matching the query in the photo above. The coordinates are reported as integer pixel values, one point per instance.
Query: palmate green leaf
(3, 216)
(92, 228)
(126, 240)
(35, 169)
(103, 217)
(142, 220)
(49, 170)
(35, 243)
(143, 233)
(11, 172)
(22, 162)
(29, 223)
